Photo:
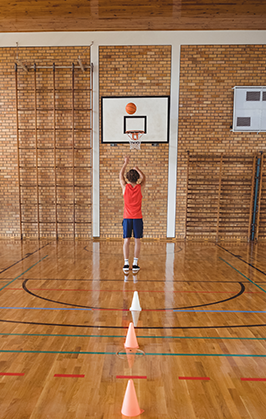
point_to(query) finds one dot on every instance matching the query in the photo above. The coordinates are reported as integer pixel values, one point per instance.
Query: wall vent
(253, 96)
(243, 122)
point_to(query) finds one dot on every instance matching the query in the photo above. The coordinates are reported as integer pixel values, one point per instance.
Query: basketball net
(135, 139)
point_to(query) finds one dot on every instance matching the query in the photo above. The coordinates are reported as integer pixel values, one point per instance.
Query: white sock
(126, 262)
(135, 261)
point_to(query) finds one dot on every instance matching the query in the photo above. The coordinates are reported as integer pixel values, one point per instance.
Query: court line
(19, 374)
(242, 260)
(138, 336)
(23, 273)
(28, 255)
(99, 326)
(44, 308)
(166, 281)
(124, 353)
(242, 290)
(194, 378)
(254, 283)
(132, 376)
(216, 311)
(198, 354)
(253, 379)
(140, 291)
(70, 375)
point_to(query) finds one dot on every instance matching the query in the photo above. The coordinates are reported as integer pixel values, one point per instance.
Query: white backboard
(151, 116)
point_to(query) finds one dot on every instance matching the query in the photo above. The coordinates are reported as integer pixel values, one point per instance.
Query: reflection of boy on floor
(132, 221)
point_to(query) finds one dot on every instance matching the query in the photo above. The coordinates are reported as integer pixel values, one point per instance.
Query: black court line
(143, 327)
(242, 260)
(27, 256)
(138, 327)
(242, 290)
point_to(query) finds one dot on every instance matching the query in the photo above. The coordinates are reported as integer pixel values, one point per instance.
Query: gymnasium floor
(64, 319)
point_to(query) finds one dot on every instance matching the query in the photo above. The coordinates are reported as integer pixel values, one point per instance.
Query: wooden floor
(64, 318)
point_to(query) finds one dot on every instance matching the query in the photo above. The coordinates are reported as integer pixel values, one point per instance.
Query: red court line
(131, 376)
(194, 378)
(90, 290)
(253, 379)
(70, 375)
(20, 374)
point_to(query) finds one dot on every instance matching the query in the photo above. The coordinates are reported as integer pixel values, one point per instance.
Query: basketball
(131, 108)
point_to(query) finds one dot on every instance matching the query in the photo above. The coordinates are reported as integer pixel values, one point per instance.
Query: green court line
(124, 336)
(22, 273)
(124, 353)
(254, 283)
(226, 355)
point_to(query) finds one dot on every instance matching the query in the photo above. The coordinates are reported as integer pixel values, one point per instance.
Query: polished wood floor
(64, 318)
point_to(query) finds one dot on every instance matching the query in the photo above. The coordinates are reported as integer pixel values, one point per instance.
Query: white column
(96, 144)
(173, 141)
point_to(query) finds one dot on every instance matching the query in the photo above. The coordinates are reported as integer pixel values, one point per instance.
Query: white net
(134, 145)
(134, 139)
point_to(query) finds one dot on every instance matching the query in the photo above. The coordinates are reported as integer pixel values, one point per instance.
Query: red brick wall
(207, 76)
(8, 151)
(129, 71)
(9, 208)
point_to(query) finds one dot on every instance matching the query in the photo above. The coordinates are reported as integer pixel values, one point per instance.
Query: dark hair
(132, 176)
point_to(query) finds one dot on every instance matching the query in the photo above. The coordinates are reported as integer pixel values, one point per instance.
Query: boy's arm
(142, 177)
(122, 173)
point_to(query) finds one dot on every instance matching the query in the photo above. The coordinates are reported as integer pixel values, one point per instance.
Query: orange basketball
(131, 108)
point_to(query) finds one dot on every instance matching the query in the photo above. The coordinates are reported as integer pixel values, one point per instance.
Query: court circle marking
(122, 354)
(24, 285)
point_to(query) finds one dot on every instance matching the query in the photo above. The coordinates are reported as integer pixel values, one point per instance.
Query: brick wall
(47, 175)
(129, 71)
(208, 74)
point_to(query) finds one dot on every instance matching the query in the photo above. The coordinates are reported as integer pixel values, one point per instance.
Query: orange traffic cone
(131, 357)
(130, 405)
(131, 340)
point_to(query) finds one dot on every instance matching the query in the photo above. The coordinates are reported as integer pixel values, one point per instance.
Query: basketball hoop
(135, 139)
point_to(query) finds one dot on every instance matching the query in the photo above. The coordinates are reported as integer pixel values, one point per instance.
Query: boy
(132, 192)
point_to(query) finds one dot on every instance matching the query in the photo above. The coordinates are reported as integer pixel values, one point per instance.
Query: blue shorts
(130, 224)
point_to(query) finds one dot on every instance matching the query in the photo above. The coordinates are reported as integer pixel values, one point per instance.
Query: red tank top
(132, 200)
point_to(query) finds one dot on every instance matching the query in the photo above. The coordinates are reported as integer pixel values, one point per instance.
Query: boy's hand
(126, 159)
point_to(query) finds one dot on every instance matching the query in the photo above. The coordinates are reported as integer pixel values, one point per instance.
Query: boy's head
(132, 176)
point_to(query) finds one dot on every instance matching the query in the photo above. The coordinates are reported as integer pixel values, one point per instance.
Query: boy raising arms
(132, 219)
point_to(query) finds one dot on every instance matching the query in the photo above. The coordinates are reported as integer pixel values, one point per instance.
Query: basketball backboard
(151, 116)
